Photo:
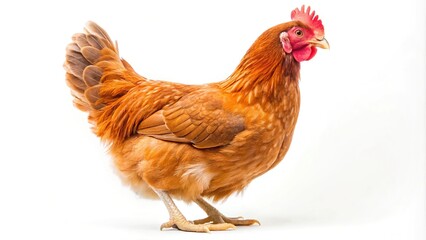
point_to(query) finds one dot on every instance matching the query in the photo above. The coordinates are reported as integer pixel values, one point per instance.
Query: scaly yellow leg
(177, 220)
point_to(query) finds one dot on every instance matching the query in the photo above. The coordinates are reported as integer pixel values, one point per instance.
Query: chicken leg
(214, 216)
(177, 220)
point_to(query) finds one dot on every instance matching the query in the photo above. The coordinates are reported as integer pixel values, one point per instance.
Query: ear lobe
(285, 41)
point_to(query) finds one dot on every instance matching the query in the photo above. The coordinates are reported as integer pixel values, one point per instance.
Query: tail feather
(94, 29)
(92, 61)
(91, 54)
(105, 86)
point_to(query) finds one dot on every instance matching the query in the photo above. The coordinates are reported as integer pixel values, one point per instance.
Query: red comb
(309, 19)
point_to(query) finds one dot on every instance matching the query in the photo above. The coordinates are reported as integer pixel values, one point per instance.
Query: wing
(198, 118)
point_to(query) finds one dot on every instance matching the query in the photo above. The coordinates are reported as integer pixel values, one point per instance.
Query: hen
(192, 142)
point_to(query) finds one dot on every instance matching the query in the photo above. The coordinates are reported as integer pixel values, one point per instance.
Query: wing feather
(198, 118)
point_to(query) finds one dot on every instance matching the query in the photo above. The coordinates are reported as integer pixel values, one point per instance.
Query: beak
(321, 43)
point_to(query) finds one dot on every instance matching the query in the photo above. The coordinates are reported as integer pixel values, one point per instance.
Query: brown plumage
(193, 141)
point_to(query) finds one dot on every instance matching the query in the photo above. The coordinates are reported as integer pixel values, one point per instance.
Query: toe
(168, 225)
(190, 227)
(241, 222)
(204, 220)
(221, 227)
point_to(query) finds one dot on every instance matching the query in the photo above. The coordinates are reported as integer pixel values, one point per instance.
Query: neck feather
(265, 72)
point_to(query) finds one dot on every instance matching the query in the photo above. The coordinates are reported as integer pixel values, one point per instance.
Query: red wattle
(313, 52)
(304, 54)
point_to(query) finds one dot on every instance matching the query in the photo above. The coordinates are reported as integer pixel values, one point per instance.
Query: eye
(299, 33)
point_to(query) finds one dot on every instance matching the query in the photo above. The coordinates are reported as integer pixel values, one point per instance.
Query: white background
(356, 168)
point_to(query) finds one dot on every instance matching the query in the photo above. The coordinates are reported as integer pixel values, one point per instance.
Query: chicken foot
(214, 216)
(177, 220)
